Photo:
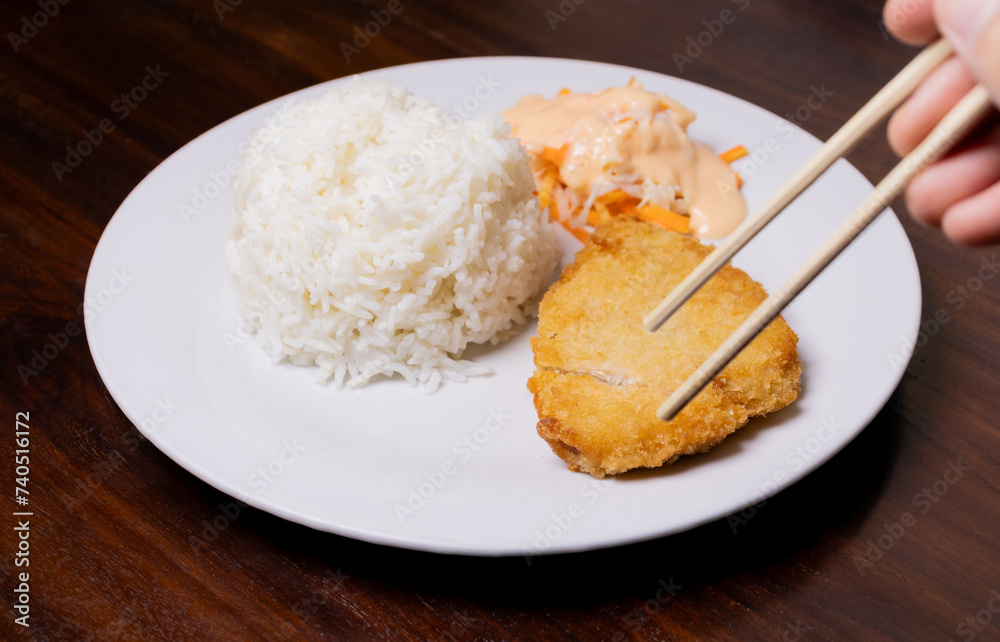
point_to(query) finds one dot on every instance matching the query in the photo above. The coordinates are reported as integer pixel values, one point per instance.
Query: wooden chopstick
(839, 145)
(963, 117)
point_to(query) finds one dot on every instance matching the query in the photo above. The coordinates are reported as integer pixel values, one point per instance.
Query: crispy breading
(600, 376)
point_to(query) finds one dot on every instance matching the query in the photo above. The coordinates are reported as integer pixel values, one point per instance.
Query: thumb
(973, 27)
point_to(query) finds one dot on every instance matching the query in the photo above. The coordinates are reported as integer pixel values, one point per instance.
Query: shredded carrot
(734, 154)
(664, 217)
(614, 203)
(617, 202)
(548, 184)
(612, 197)
(554, 155)
(595, 217)
(581, 235)
(627, 209)
(603, 214)
(624, 207)
(553, 211)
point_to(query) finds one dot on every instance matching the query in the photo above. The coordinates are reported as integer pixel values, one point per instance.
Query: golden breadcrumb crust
(600, 376)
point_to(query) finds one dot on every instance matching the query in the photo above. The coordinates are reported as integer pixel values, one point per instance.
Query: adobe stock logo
(978, 622)
(38, 20)
(259, 481)
(566, 9)
(893, 531)
(697, 44)
(372, 29)
(265, 475)
(123, 106)
(59, 341)
(418, 495)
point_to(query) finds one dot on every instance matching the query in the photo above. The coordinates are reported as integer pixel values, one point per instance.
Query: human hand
(960, 193)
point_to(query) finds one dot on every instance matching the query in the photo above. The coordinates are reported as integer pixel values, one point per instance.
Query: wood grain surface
(110, 552)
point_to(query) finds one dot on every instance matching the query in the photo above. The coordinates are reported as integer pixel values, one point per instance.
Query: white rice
(373, 234)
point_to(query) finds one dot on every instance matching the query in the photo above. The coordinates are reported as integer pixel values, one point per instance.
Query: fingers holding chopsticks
(973, 27)
(976, 219)
(928, 104)
(911, 21)
(948, 185)
(960, 194)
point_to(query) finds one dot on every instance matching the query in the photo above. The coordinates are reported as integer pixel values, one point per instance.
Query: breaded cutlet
(600, 376)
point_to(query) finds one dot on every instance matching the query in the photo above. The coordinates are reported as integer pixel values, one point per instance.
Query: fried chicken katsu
(600, 376)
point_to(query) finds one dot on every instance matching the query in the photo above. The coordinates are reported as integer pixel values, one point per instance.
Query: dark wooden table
(883, 542)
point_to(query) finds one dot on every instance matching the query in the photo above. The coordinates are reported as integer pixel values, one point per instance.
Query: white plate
(166, 339)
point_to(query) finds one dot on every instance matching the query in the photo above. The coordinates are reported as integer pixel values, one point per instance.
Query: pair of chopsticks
(959, 121)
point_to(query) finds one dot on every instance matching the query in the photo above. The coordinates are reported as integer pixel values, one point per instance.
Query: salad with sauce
(625, 150)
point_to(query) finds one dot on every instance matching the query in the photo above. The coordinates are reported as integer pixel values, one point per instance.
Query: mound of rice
(373, 234)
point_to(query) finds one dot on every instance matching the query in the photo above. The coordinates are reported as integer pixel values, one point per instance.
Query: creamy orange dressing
(626, 135)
